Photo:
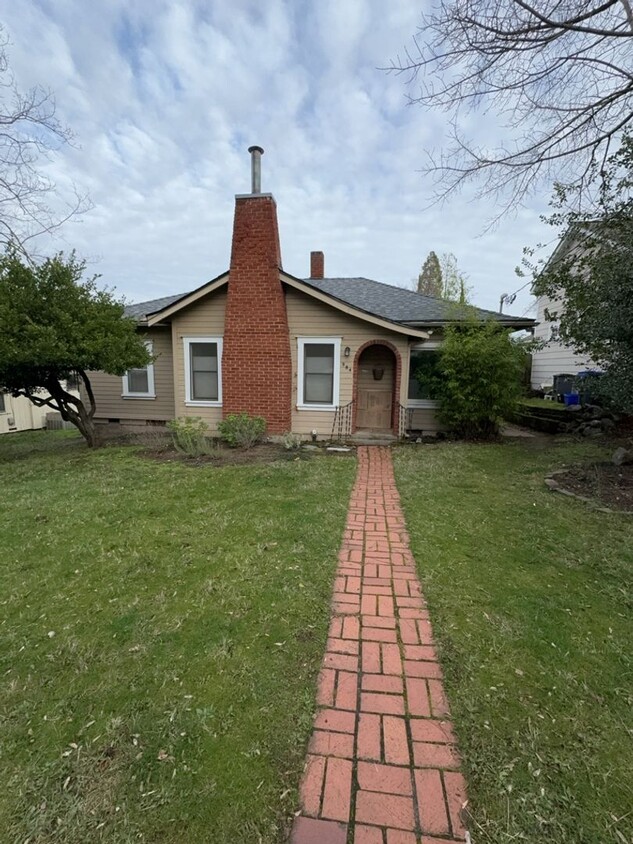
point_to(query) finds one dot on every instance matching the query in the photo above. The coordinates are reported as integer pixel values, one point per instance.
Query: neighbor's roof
(374, 297)
(400, 305)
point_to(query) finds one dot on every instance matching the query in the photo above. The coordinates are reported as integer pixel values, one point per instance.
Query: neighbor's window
(203, 370)
(139, 383)
(2, 405)
(318, 375)
(423, 362)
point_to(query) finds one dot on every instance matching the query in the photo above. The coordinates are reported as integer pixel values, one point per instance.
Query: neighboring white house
(555, 358)
(20, 414)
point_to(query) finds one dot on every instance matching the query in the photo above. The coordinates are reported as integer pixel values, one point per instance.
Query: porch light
(347, 351)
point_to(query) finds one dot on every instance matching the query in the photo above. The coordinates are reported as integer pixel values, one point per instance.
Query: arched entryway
(376, 367)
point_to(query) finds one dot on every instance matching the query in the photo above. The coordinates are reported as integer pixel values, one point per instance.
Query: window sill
(329, 407)
(137, 396)
(203, 404)
(421, 403)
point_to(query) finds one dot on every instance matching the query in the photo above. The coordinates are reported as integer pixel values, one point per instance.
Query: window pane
(318, 388)
(137, 381)
(204, 386)
(204, 371)
(2, 405)
(204, 357)
(424, 363)
(319, 357)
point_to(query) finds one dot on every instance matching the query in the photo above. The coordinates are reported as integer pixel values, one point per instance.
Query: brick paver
(382, 765)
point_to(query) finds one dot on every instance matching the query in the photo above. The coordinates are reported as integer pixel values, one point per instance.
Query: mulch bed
(601, 483)
(224, 456)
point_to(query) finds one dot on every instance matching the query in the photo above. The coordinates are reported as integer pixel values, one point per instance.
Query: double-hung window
(319, 366)
(139, 383)
(203, 371)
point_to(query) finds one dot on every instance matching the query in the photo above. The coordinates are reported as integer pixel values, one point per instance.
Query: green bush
(478, 379)
(190, 435)
(240, 430)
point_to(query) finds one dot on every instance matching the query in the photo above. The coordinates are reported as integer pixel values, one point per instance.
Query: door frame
(397, 375)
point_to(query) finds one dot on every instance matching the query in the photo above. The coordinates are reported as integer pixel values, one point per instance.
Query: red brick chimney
(256, 363)
(317, 264)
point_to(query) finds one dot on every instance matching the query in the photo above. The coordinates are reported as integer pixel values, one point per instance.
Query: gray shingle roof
(141, 309)
(398, 304)
(374, 297)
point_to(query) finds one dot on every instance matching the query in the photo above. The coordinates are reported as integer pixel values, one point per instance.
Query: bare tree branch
(557, 75)
(30, 133)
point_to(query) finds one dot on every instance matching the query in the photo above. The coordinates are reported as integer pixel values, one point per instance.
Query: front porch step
(372, 438)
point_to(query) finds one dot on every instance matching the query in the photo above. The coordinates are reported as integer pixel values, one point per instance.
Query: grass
(161, 629)
(530, 594)
(544, 404)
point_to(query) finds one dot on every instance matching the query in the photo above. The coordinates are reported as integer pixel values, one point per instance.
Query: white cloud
(166, 96)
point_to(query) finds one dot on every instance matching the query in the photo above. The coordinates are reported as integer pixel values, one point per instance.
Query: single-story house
(318, 354)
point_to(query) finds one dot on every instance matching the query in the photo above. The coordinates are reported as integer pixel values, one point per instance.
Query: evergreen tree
(430, 278)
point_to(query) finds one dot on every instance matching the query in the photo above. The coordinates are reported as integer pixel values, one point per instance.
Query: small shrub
(291, 442)
(190, 435)
(240, 430)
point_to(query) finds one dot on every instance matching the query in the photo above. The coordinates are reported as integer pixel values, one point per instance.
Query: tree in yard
(454, 286)
(56, 325)
(430, 278)
(29, 132)
(591, 275)
(478, 378)
(557, 75)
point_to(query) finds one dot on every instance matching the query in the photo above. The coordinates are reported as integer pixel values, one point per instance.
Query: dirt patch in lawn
(600, 483)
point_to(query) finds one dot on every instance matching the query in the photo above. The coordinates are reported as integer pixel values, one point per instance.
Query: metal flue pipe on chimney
(256, 169)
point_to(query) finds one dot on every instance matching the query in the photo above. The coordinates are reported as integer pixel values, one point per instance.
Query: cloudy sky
(165, 96)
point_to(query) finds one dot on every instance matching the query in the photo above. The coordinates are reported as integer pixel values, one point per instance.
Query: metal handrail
(405, 418)
(343, 419)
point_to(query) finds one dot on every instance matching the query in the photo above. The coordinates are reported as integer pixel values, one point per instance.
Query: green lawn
(530, 595)
(545, 404)
(161, 628)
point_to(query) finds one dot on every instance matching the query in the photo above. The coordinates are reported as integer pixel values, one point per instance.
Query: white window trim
(429, 345)
(187, 341)
(151, 393)
(336, 380)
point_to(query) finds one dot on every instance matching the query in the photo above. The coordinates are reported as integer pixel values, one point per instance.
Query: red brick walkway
(382, 766)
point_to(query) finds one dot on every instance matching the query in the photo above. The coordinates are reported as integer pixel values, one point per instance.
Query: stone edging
(552, 483)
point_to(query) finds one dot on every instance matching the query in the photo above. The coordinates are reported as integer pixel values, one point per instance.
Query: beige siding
(424, 419)
(108, 389)
(309, 318)
(204, 318)
(555, 358)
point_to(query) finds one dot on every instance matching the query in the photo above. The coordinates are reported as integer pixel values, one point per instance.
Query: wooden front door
(374, 394)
